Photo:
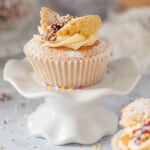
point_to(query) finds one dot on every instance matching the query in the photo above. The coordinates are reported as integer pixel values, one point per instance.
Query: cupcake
(67, 51)
(136, 134)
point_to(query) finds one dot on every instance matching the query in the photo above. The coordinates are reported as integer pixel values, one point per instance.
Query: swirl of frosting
(75, 33)
(74, 42)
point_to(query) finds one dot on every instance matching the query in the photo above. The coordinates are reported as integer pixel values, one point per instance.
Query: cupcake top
(67, 31)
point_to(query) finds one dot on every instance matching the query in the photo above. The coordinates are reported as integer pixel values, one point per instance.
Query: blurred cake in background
(121, 6)
(16, 16)
(135, 3)
(136, 122)
(130, 36)
(80, 7)
(10, 12)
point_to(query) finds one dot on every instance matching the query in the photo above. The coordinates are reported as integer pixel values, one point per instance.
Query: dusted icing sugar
(140, 106)
(135, 112)
(34, 47)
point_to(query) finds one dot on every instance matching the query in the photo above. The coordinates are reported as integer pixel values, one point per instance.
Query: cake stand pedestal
(72, 116)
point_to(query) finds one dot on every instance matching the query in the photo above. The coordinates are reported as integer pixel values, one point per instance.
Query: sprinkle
(19, 125)
(71, 88)
(22, 105)
(80, 87)
(5, 121)
(94, 146)
(142, 134)
(4, 97)
(99, 147)
(45, 37)
(56, 26)
(62, 87)
(48, 87)
(147, 123)
(53, 38)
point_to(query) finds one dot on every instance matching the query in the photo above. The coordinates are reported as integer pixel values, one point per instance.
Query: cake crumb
(4, 97)
(5, 121)
(22, 105)
(97, 146)
(20, 125)
(94, 146)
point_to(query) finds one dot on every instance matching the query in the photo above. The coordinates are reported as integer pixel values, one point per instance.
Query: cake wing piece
(85, 25)
(48, 16)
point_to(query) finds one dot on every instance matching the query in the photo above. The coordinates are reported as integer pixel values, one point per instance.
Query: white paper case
(70, 73)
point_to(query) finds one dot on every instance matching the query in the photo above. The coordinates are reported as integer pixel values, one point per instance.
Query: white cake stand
(72, 116)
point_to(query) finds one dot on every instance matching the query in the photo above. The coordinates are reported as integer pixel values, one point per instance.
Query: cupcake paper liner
(70, 73)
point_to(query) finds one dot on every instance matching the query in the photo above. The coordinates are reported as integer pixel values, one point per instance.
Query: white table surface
(13, 136)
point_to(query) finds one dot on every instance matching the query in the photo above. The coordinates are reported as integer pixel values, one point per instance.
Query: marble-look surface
(14, 134)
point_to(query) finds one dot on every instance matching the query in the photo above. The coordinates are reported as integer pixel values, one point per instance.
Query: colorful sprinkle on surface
(48, 87)
(80, 87)
(19, 125)
(5, 121)
(22, 105)
(63, 88)
(97, 146)
(4, 97)
(71, 88)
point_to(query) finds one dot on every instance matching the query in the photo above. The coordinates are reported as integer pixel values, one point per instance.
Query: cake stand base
(61, 121)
